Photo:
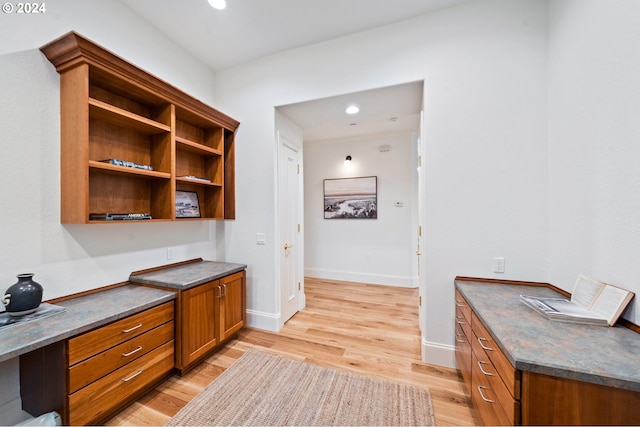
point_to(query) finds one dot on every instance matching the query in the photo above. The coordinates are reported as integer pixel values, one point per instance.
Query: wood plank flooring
(366, 329)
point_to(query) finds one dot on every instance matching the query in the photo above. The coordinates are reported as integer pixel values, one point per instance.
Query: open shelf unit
(113, 113)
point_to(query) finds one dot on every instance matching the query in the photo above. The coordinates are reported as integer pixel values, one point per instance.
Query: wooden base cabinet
(208, 315)
(503, 395)
(88, 378)
(110, 365)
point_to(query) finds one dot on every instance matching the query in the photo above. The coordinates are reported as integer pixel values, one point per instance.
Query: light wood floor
(367, 329)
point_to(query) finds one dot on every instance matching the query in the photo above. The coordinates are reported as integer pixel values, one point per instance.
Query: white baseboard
(374, 279)
(262, 320)
(438, 354)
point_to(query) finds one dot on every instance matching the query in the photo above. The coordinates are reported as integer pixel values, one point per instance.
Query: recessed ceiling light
(218, 4)
(352, 109)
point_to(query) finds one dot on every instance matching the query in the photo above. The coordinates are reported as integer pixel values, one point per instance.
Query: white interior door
(290, 250)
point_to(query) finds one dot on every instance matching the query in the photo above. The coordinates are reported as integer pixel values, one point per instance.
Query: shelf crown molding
(72, 49)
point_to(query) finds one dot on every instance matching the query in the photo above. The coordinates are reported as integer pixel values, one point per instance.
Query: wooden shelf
(124, 170)
(111, 109)
(117, 116)
(197, 182)
(194, 147)
(131, 221)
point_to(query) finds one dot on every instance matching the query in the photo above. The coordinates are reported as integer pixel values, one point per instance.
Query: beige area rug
(267, 390)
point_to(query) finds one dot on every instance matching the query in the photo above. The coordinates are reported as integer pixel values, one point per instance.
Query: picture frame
(187, 204)
(351, 198)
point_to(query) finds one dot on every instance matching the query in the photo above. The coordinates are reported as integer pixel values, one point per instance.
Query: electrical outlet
(170, 253)
(498, 264)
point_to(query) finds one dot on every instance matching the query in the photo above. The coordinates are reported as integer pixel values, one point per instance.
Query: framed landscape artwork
(187, 204)
(347, 198)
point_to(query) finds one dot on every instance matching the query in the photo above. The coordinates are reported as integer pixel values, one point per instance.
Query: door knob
(287, 246)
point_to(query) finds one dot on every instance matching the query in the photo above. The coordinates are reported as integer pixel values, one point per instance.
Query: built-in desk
(43, 346)
(559, 373)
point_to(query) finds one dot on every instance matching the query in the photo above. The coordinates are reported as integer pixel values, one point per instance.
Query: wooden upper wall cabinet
(110, 109)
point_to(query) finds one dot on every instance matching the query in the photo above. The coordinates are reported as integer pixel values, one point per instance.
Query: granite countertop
(81, 314)
(595, 354)
(188, 275)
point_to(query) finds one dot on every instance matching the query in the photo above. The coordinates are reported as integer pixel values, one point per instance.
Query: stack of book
(117, 216)
(127, 164)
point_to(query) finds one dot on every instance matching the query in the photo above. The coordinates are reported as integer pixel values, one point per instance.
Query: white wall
(379, 251)
(484, 68)
(72, 258)
(594, 148)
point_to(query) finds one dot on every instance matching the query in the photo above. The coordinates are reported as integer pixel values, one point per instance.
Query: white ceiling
(390, 109)
(249, 29)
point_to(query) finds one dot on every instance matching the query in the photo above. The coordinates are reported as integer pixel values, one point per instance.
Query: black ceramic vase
(23, 297)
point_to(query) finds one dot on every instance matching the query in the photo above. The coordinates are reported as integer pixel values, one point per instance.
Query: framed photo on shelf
(187, 204)
(348, 198)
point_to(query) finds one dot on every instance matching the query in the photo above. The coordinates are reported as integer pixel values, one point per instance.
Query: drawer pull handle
(459, 320)
(484, 346)
(460, 339)
(224, 294)
(480, 363)
(125, 331)
(132, 352)
(219, 294)
(482, 395)
(132, 376)
(460, 304)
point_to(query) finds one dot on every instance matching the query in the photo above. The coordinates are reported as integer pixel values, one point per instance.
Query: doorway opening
(381, 141)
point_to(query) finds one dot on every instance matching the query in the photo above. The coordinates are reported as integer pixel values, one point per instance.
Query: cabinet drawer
(463, 323)
(103, 363)
(463, 309)
(98, 340)
(509, 375)
(463, 355)
(489, 378)
(485, 398)
(463, 315)
(96, 401)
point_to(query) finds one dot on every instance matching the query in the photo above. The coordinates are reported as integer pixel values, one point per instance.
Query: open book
(591, 302)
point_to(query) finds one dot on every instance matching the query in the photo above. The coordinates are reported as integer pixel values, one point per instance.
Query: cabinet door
(198, 329)
(232, 304)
